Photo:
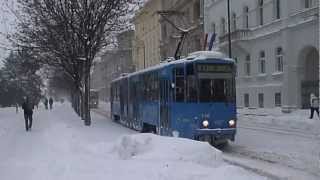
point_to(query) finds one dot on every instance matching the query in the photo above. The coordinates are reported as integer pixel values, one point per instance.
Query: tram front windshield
(215, 90)
(216, 84)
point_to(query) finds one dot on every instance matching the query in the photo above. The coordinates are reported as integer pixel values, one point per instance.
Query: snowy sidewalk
(60, 147)
(295, 122)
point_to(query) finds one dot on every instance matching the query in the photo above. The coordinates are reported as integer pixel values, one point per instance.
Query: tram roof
(195, 56)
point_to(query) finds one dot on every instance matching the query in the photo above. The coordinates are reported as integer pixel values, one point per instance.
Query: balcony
(304, 15)
(237, 35)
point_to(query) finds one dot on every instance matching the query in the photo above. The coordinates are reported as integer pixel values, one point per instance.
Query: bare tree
(69, 34)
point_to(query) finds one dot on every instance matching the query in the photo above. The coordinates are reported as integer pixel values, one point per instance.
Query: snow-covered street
(278, 145)
(287, 140)
(61, 147)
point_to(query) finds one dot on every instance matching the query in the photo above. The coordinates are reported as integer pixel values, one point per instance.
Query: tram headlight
(205, 123)
(232, 123)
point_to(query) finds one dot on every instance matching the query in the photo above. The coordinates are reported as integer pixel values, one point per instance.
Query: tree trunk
(82, 105)
(87, 120)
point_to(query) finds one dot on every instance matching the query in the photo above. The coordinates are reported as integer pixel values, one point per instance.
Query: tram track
(101, 112)
(266, 161)
(271, 129)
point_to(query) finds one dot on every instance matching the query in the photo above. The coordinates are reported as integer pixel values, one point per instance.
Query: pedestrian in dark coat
(314, 105)
(28, 107)
(46, 103)
(50, 102)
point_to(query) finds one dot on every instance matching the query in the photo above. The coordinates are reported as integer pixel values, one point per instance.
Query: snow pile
(149, 146)
(157, 157)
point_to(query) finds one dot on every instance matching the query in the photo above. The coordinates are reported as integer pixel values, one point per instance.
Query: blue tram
(192, 98)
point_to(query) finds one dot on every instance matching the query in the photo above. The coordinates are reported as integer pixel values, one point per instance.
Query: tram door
(164, 107)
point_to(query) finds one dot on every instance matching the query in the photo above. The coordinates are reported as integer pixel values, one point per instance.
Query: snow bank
(149, 146)
(175, 158)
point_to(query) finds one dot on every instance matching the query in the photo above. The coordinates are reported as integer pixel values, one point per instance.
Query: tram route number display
(214, 68)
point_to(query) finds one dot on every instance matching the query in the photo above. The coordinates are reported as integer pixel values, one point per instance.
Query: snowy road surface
(60, 147)
(289, 140)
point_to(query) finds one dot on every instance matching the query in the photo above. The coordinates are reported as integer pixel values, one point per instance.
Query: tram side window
(145, 87)
(117, 94)
(191, 84)
(140, 90)
(192, 89)
(150, 87)
(155, 88)
(179, 84)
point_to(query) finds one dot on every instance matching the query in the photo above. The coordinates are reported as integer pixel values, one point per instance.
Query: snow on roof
(198, 55)
(208, 55)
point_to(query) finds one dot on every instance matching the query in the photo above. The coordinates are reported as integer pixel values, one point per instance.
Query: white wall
(293, 32)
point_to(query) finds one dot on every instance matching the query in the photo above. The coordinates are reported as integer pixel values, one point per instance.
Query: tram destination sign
(214, 68)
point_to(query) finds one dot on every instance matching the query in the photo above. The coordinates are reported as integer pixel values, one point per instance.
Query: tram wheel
(115, 118)
(221, 144)
(147, 128)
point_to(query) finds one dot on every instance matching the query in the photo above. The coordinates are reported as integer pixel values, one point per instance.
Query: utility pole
(144, 56)
(229, 30)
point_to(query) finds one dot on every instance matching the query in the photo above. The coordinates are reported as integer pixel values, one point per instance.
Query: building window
(234, 21)
(260, 9)
(262, 63)
(223, 26)
(246, 100)
(261, 100)
(246, 17)
(277, 99)
(236, 61)
(277, 9)
(165, 34)
(279, 59)
(308, 3)
(196, 11)
(247, 65)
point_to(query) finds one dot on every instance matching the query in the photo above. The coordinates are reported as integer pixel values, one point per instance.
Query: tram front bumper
(218, 134)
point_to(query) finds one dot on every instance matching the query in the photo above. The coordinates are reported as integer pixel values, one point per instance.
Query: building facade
(112, 64)
(276, 46)
(146, 42)
(186, 14)
(156, 39)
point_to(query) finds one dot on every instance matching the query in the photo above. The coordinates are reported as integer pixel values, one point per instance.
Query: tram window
(190, 69)
(179, 72)
(179, 84)
(192, 89)
(156, 88)
(216, 90)
(117, 93)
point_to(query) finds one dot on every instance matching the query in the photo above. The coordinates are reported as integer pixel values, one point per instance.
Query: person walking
(17, 108)
(28, 107)
(50, 102)
(46, 103)
(314, 105)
